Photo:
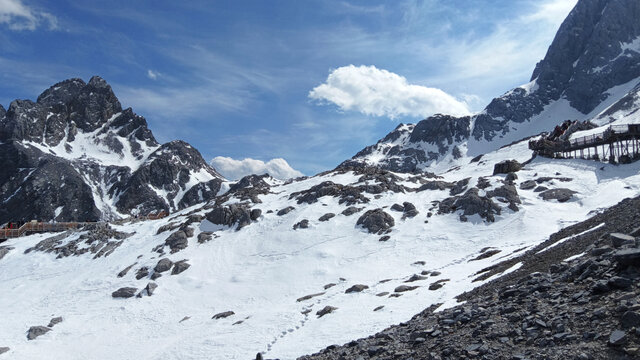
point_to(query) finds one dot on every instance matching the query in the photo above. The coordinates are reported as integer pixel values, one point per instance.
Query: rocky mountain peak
(591, 53)
(77, 136)
(62, 92)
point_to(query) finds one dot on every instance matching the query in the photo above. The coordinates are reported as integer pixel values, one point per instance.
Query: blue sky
(279, 79)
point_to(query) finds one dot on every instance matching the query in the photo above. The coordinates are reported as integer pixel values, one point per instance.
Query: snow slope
(260, 271)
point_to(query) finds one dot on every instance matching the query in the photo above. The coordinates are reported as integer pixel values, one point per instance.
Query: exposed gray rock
(506, 167)
(179, 267)
(55, 321)
(356, 288)
(125, 270)
(205, 236)
(527, 185)
(303, 224)
(125, 292)
(506, 193)
(310, 296)
(351, 210)
(347, 194)
(618, 338)
(4, 250)
(142, 272)
(326, 217)
(150, 288)
(285, 211)
(36, 331)
(163, 265)
(177, 241)
(223, 315)
(561, 195)
(230, 215)
(376, 221)
(471, 204)
(4, 349)
(255, 214)
(326, 310)
(404, 288)
(618, 240)
(409, 210)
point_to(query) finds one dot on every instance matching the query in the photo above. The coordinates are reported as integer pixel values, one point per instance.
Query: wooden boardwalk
(616, 143)
(38, 227)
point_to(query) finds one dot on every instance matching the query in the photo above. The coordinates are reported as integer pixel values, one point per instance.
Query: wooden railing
(33, 227)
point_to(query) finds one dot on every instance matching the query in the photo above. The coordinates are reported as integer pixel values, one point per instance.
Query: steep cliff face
(591, 66)
(596, 49)
(75, 154)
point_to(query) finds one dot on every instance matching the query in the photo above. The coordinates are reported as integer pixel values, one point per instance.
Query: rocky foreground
(575, 296)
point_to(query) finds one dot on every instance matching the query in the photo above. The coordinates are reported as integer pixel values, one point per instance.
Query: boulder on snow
(4, 349)
(285, 211)
(231, 215)
(55, 321)
(470, 203)
(177, 241)
(205, 236)
(303, 224)
(351, 210)
(179, 267)
(326, 310)
(223, 315)
(125, 270)
(376, 221)
(356, 288)
(142, 272)
(150, 288)
(36, 331)
(507, 166)
(326, 217)
(255, 214)
(163, 265)
(124, 292)
(562, 194)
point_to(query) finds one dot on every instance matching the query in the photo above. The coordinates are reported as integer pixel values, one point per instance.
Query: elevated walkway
(615, 143)
(38, 227)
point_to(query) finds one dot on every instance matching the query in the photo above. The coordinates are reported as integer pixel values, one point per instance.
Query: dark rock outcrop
(471, 203)
(561, 195)
(36, 331)
(125, 292)
(230, 215)
(376, 221)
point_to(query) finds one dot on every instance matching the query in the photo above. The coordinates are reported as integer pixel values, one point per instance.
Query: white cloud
(236, 169)
(379, 92)
(19, 16)
(153, 75)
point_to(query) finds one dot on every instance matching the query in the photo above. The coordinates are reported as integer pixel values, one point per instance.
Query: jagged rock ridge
(75, 154)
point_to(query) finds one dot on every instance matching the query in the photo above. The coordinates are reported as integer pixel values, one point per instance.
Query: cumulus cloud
(379, 92)
(19, 16)
(233, 169)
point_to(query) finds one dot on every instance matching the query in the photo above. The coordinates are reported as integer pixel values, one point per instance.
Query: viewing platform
(617, 143)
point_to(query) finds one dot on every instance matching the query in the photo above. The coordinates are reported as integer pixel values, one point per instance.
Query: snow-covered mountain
(289, 268)
(591, 68)
(75, 154)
